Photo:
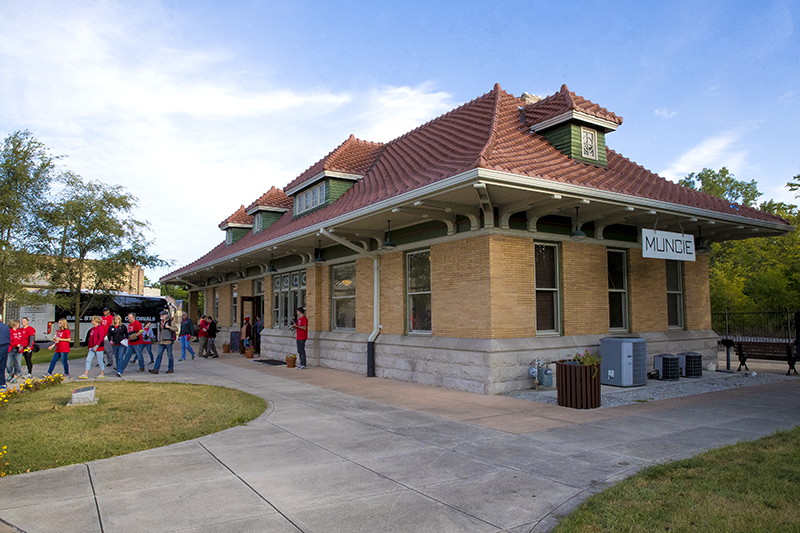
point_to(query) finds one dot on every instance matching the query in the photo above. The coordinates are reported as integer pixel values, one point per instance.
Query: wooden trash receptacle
(578, 385)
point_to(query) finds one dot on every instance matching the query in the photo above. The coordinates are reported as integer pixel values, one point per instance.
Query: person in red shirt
(135, 345)
(106, 321)
(29, 338)
(202, 337)
(14, 366)
(96, 337)
(300, 326)
(61, 346)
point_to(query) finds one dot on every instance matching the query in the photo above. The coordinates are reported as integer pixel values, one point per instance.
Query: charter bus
(44, 318)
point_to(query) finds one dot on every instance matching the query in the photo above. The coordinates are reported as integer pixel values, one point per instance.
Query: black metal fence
(777, 326)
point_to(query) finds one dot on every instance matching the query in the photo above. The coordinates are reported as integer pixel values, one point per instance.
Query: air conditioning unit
(691, 364)
(668, 367)
(624, 361)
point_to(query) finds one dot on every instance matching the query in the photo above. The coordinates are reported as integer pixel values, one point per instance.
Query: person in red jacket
(29, 338)
(202, 336)
(301, 328)
(96, 338)
(106, 321)
(61, 345)
(14, 367)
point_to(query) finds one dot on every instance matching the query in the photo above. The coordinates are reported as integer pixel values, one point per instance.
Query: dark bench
(768, 351)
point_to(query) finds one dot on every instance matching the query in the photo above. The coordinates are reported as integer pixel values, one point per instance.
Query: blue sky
(198, 107)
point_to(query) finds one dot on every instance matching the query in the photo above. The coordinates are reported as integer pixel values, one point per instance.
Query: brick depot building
(501, 232)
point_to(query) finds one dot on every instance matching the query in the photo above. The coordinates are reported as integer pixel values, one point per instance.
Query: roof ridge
(488, 148)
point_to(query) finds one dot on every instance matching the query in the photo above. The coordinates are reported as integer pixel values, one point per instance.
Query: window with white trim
(418, 291)
(257, 223)
(310, 199)
(228, 237)
(288, 293)
(674, 294)
(589, 143)
(617, 290)
(343, 296)
(234, 303)
(547, 279)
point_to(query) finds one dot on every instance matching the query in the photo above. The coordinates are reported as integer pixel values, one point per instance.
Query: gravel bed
(685, 387)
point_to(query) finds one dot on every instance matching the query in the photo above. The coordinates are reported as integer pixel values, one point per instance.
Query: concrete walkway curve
(336, 452)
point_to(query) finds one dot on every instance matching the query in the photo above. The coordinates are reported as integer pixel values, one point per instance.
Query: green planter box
(578, 385)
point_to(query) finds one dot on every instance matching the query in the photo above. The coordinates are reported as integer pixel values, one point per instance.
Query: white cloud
(111, 87)
(724, 149)
(665, 113)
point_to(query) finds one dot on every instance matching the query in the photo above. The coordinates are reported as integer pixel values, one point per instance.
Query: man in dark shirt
(186, 334)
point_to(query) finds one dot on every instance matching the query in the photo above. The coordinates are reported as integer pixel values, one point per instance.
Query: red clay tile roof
(239, 217)
(562, 102)
(353, 156)
(484, 133)
(272, 198)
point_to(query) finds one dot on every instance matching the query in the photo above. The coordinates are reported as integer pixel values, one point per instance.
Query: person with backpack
(167, 333)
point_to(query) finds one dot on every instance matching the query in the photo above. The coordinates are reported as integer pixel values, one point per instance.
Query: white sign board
(667, 245)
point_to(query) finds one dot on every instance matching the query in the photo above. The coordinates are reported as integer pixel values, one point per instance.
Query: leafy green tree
(27, 171)
(758, 274)
(723, 185)
(92, 239)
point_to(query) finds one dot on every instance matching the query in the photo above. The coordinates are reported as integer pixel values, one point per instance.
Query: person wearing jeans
(95, 348)
(166, 336)
(186, 333)
(61, 345)
(301, 328)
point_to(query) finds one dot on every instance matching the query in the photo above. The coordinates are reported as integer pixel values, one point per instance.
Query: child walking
(61, 344)
(96, 338)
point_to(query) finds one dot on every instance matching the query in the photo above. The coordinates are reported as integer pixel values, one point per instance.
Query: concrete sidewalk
(338, 452)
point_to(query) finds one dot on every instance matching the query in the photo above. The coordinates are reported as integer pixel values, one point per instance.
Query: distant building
(501, 232)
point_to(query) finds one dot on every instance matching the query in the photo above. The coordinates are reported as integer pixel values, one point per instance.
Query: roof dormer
(268, 209)
(236, 226)
(573, 125)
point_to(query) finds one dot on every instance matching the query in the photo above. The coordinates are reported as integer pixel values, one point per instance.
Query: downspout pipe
(376, 295)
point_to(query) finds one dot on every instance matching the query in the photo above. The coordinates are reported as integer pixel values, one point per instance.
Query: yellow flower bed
(29, 385)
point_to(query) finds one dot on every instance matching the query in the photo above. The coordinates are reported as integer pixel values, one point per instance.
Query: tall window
(234, 302)
(418, 291)
(343, 298)
(257, 223)
(617, 290)
(547, 289)
(674, 294)
(288, 293)
(216, 303)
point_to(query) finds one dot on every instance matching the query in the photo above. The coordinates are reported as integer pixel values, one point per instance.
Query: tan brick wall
(268, 301)
(647, 293)
(365, 302)
(225, 293)
(318, 297)
(393, 290)
(193, 311)
(696, 293)
(461, 288)
(584, 275)
(208, 302)
(513, 291)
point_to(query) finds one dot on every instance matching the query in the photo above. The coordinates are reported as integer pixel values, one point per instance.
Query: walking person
(29, 337)
(186, 334)
(135, 345)
(202, 336)
(96, 341)
(14, 365)
(118, 335)
(5, 344)
(106, 321)
(61, 345)
(300, 326)
(148, 338)
(212, 337)
(167, 332)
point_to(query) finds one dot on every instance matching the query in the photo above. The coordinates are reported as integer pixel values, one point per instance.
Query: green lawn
(746, 487)
(40, 431)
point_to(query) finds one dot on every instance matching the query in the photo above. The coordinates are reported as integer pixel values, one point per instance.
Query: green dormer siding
(566, 138)
(266, 219)
(234, 234)
(337, 188)
(334, 188)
